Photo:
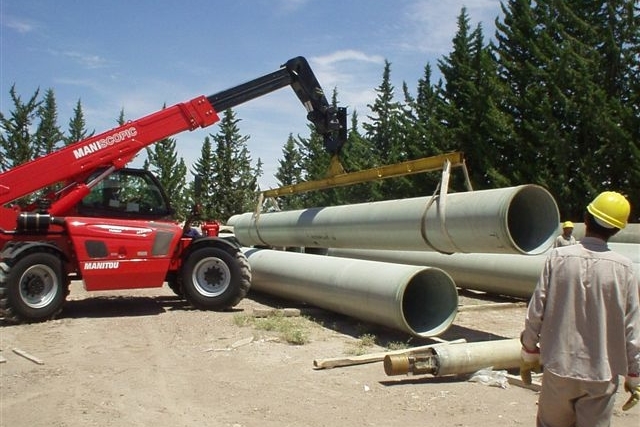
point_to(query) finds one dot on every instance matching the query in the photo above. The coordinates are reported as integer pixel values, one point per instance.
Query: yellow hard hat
(611, 209)
(567, 224)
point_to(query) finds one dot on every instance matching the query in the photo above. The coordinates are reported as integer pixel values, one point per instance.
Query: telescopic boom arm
(113, 149)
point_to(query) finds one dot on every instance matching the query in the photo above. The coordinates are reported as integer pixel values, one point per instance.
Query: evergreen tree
(204, 170)
(357, 156)
(521, 71)
(473, 123)
(567, 66)
(17, 144)
(606, 37)
(77, 127)
(236, 181)
(48, 135)
(315, 163)
(386, 135)
(424, 130)
(121, 118)
(290, 173)
(162, 160)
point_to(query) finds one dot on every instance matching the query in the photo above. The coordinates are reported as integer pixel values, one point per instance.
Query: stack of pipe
(514, 220)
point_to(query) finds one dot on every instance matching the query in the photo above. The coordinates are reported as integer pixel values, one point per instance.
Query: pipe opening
(429, 302)
(532, 219)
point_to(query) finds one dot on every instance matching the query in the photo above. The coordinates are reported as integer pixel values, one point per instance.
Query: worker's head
(567, 225)
(608, 213)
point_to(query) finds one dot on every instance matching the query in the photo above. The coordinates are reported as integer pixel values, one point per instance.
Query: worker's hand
(529, 362)
(632, 385)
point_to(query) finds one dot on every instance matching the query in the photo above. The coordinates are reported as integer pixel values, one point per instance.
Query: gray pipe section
(500, 274)
(629, 234)
(519, 219)
(456, 359)
(471, 357)
(422, 301)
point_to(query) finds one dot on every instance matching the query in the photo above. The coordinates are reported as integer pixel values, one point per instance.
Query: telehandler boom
(111, 227)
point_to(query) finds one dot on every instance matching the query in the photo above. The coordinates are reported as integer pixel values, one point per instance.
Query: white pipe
(501, 274)
(519, 219)
(457, 359)
(422, 301)
(629, 234)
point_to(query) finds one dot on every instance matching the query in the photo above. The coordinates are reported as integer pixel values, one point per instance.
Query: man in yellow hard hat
(583, 324)
(566, 238)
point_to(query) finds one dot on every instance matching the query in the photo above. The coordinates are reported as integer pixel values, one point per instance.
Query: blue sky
(138, 55)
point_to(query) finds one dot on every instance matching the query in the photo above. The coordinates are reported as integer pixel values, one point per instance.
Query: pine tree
(162, 160)
(48, 135)
(17, 144)
(605, 36)
(474, 125)
(77, 127)
(521, 70)
(289, 173)
(386, 135)
(567, 67)
(236, 181)
(204, 170)
(357, 156)
(425, 132)
(315, 163)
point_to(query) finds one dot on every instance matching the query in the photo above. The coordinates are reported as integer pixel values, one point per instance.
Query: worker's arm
(632, 335)
(530, 336)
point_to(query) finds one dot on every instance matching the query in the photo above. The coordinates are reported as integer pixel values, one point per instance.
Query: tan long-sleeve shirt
(585, 313)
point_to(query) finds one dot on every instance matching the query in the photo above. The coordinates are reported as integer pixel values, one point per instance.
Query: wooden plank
(242, 342)
(492, 306)
(337, 362)
(28, 356)
(535, 385)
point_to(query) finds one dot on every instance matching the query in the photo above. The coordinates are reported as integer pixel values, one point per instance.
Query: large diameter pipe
(457, 359)
(500, 274)
(629, 234)
(519, 219)
(422, 301)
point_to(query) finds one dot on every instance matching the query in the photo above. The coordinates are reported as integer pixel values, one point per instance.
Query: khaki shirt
(563, 241)
(584, 313)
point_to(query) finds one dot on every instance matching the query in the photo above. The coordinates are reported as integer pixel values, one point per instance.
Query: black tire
(33, 288)
(174, 284)
(215, 278)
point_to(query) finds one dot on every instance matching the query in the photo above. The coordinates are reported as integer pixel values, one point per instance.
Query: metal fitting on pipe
(519, 219)
(457, 359)
(421, 301)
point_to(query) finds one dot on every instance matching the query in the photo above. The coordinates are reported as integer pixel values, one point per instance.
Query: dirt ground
(143, 358)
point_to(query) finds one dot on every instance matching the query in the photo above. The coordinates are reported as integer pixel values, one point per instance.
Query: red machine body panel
(123, 254)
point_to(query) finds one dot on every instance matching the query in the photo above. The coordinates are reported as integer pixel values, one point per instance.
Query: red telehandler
(112, 227)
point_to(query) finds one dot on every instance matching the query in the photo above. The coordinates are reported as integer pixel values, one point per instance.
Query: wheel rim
(38, 286)
(211, 277)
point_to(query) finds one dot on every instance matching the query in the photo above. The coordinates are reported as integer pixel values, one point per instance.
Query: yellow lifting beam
(425, 164)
